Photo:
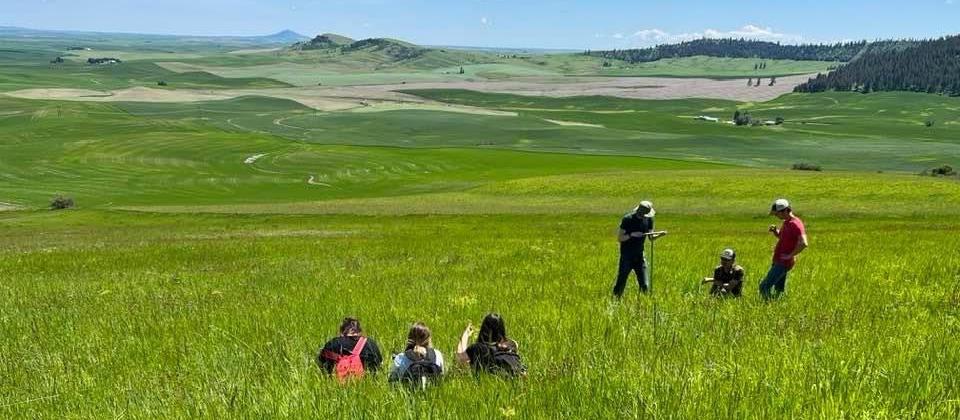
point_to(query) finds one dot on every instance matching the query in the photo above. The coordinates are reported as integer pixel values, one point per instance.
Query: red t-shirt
(790, 235)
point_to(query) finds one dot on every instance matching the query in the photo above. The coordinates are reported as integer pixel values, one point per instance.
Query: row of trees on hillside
(737, 48)
(929, 66)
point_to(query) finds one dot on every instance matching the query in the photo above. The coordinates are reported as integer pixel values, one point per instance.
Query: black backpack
(503, 361)
(421, 371)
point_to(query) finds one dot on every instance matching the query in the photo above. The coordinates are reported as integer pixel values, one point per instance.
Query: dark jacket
(631, 223)
(370, 355)
(482, 355)
(727, 283)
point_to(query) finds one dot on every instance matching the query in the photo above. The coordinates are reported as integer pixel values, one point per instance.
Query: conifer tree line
(737, 48)
(929, 66)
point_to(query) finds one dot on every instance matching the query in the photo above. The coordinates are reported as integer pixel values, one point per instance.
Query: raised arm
(462, 356)
(716, 275)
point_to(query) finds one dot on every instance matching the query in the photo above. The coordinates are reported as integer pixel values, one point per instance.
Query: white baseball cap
(645, 209)
(780, 205)
(728, 254)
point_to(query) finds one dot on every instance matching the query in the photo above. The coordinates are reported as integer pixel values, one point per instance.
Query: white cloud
(484, 21)
(651, 35)
(654, 36)
(617, 36)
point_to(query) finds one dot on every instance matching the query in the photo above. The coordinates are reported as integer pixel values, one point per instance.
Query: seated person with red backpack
(420, 363)
(493, 352)
(351, 354)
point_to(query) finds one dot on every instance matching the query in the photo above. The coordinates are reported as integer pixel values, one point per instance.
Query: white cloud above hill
(654, 36)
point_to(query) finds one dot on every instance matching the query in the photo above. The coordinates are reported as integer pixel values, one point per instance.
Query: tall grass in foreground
(117, 314)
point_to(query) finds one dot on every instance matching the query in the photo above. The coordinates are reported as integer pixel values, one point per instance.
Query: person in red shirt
(791, 241)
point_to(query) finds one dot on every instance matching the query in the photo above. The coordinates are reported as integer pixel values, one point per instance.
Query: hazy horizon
(605, 24)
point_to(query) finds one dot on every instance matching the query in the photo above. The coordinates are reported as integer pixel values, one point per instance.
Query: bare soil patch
(386, 98)
(573, 123)
(134, 94)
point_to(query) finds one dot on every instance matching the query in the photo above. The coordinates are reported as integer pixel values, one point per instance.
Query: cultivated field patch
(135, 94)
(573, 123)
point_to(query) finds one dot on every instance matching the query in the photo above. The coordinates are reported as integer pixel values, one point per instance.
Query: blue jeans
(776, 279)
(637, 264)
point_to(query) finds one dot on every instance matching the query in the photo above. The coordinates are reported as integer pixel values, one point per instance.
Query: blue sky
(503, 23)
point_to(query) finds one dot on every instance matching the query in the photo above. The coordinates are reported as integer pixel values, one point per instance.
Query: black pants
(636, 263)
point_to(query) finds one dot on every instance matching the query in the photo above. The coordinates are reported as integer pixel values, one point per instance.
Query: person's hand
(772, 229)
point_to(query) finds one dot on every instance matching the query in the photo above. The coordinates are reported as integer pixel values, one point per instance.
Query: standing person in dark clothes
(350, 334)
(727, 278)
(791, 241)
(635, 228)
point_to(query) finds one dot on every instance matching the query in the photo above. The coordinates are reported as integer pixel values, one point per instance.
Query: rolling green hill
(118, 76)
(322, 42)
(328, 59)
(216, 245)
(885, 132)
(140, 154)
(183, 154)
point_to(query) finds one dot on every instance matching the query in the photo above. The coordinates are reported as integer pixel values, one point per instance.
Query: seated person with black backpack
(420, 363)
(493, 352)
(351, 354)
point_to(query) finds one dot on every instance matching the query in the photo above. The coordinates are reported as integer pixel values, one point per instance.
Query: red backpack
(348, 366)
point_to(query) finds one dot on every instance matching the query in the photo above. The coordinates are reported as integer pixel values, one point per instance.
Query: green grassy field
(211, 298)
(832, 130)
(216, 246)
(118, 76)
(194, 154)
(114, 313)
(102, 155)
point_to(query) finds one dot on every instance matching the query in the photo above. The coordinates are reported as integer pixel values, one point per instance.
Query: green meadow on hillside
(882, 132)
(89, 149)
(115, 313)
(191, 314)
(216, 245)
(117, 76)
